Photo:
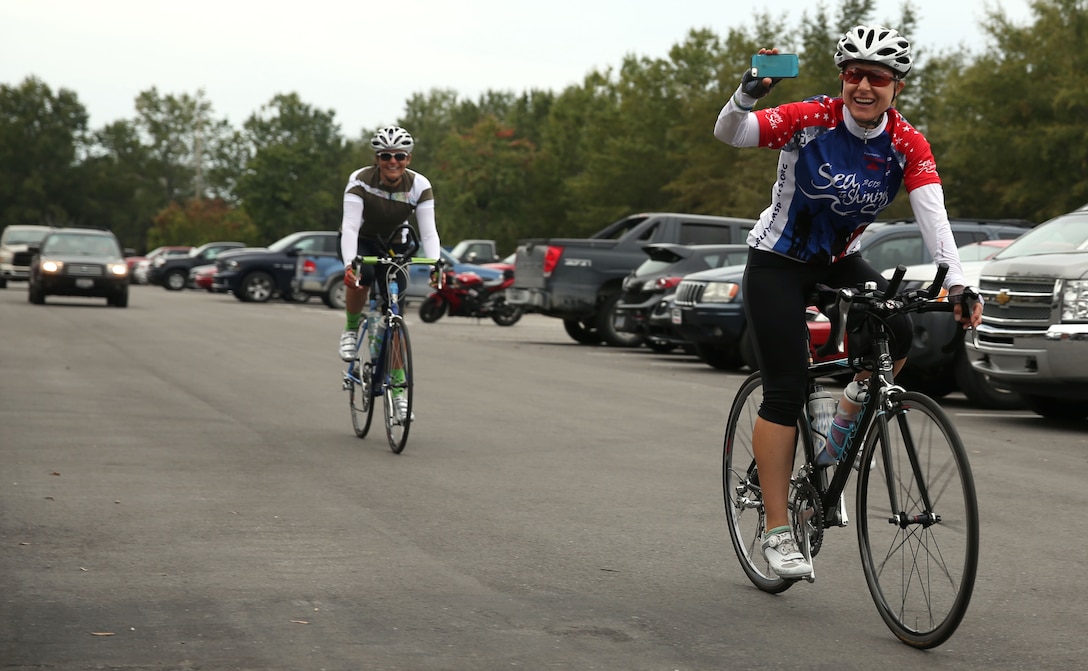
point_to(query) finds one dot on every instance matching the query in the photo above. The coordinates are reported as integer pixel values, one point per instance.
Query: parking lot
(180, 488)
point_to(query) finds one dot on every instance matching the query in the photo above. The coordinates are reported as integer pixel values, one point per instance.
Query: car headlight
(117, 269)
(233, 265)
(52, 267)
(159, 262)
(1075, 301)
(720, 292)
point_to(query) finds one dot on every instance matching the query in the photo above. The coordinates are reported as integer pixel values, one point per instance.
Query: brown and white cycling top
(373, 210)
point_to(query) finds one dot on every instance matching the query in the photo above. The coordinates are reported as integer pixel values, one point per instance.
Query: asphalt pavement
(180, 488)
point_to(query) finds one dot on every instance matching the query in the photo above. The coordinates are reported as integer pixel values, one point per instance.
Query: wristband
(737, 103)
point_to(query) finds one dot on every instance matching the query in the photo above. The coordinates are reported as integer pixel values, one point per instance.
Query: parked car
(886, 244)
(78, 262)
(15, 242)
(256, 276)
(475, 251)
(936, 372)
(579, 280)
(202, 277)
(1034, 333)
(172, 272)
(657, 276)
(707, 312)
(983, 249)
(322, 275)
(143, 266)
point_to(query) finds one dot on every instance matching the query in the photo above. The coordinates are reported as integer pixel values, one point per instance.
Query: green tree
(491, 167)
(42, 137)
(293, 177)
(202, 219)
(1013, 122)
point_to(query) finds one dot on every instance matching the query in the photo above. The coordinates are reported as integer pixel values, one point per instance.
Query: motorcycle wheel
(504, 314)
(431, 309)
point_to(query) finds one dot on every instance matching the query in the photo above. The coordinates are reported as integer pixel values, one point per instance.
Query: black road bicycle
(366, 377)
(917, 515)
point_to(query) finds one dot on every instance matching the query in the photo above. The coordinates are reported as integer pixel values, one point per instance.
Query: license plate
(84, 283)
(677, 316)
(619, 321)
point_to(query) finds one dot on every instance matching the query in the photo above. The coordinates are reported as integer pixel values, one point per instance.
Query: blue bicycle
(383, 359)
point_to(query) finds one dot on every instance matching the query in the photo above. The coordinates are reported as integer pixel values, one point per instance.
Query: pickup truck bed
(579, 280)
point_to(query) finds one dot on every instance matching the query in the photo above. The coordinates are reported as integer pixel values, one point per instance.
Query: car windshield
(299, 240)
(88, 245)
(23, 236)
(1068, 233)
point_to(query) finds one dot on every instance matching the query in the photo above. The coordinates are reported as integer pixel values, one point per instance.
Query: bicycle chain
(807, 500)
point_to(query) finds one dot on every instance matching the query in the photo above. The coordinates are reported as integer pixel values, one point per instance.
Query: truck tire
(581, 332)
(978, 388)
(606, 326)
(336, 295)
(722, 357)
(256, 287)
(175, 280)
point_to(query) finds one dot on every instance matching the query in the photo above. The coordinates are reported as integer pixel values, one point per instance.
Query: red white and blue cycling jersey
(835, 177)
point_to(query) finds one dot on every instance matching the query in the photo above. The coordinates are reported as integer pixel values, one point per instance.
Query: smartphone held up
(775, 66)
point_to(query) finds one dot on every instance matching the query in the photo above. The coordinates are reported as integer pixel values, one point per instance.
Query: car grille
(84, 270)
(21, 259)
(1018, 301)
(689, 293)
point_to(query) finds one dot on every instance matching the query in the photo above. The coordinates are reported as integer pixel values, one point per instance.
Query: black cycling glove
(753, 86)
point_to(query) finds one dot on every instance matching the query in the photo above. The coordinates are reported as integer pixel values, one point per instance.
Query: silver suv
(1034, 333)
(14, 255)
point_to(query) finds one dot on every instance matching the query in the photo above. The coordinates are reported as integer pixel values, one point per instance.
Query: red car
(202, 277)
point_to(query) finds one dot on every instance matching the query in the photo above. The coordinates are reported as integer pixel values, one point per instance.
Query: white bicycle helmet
(392, 138)
(875, 44)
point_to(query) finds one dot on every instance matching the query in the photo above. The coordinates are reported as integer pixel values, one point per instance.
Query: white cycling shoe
(780, 551)
(348, 344)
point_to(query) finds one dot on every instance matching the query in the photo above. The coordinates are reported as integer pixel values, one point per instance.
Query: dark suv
(886, 244)
(78, 262)
(172, 272)
(258, 275)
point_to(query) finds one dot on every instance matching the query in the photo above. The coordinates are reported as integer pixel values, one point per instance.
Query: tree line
(1008, 127)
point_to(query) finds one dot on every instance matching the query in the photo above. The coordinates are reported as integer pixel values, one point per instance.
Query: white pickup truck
(1034, 333)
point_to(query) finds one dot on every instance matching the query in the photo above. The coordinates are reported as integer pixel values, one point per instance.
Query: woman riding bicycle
(841, 162)
(377, 200)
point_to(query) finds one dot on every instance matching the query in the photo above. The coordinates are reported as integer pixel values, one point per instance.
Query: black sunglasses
(386, 156)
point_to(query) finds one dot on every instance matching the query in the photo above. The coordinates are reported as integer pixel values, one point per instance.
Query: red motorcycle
(468, 295)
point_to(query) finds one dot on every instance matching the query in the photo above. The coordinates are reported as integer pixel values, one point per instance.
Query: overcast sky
(363, 59)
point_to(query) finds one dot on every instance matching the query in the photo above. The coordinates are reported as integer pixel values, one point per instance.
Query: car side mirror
(294, 251)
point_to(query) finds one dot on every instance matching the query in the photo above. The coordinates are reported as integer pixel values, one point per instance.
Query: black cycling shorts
(776, 290)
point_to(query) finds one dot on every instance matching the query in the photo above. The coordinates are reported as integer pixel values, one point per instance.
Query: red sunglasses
(877, 78)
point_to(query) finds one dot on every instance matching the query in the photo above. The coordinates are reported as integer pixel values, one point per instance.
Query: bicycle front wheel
(740, 484)
(917, 521)
(398, 384)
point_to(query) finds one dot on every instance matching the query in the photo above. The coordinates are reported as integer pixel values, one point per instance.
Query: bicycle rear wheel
(740, 484)
(398, 357)
(918, 528)
(359, 393)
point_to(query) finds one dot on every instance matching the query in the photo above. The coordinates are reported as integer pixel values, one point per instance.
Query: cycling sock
(353, 320)
(776, 530)
(396, 379)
